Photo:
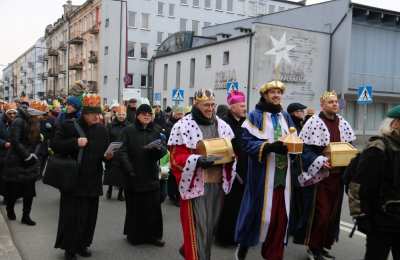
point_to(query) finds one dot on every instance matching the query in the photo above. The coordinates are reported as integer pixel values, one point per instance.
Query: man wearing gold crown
(201, 183)
(318, 228)
(264, 212)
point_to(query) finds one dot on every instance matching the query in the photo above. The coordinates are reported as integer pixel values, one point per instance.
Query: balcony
(95, 29)
(62, 46)
(52, 52)
(61, 69)
(78, 40)
(53, 73)
(93, 57)
(75, 64)
(92, 86)
(45, 57)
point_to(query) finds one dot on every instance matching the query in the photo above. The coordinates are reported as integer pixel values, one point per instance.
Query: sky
(22, 22)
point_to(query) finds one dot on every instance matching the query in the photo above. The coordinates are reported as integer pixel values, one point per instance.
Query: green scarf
(280, 161)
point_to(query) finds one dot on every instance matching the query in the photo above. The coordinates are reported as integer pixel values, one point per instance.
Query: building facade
(334, 45)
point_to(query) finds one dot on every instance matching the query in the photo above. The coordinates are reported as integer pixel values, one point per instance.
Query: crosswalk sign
(177, 94)
(364, 95)
(231, 85)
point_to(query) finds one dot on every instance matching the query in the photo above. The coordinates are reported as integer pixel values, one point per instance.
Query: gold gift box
(219, 147)
(340, 153)
(293, 142)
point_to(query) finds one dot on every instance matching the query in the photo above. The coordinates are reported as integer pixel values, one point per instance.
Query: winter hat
(75, 102)
(394, 112)
(235, 97)
(294, 107)
(144, 108)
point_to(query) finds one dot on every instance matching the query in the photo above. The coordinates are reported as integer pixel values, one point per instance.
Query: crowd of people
(264, 194)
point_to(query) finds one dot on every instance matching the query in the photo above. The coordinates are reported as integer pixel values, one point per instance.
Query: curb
(8, 251)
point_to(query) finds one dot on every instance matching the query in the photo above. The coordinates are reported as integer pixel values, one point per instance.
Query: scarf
(200, 119)
(266, 106)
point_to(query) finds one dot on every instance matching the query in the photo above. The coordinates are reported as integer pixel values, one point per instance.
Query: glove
(205, 162)
(364, 224)
(276, 147)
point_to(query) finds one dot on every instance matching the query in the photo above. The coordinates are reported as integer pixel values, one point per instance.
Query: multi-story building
(84, 44)
(150, 22)
(23, 76)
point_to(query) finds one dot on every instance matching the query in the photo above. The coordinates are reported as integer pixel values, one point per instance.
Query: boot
(120, 194)
(11, 214)
(241, 252)
(85, 252)
(26, 209)
(69, 256)
(109, 192)
(26, 219)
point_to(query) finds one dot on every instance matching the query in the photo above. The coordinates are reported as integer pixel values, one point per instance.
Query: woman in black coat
(140, 156)
(78, 208)
(22, 164)
(114, 173)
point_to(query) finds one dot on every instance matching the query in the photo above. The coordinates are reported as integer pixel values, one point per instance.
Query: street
(36, 243)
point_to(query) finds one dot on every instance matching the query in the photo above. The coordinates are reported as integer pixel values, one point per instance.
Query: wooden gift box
(220, 147)
(293, 142)
(340, 153)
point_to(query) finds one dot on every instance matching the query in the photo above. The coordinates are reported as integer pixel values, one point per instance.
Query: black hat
(144, 108)
(294, 107)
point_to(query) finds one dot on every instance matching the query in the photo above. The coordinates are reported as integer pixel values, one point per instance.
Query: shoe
(120, 197)
(158, 242)
(315, 255)
(241, 252)
(109, 193)
(26, 219)
(325, 253)
(69, 256)
(85, 252)
(11, 214)
(182, 251)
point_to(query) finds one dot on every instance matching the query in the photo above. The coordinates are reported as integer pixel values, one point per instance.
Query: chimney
(67, 7)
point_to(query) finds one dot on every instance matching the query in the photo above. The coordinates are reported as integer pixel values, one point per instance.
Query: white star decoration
(280, 50)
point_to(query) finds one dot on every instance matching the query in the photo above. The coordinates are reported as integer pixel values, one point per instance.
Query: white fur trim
(315, 173)
(189, 172)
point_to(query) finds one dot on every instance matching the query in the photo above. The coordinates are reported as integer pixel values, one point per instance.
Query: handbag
(61, 172)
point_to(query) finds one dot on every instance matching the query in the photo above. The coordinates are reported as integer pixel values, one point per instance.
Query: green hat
(394, 112)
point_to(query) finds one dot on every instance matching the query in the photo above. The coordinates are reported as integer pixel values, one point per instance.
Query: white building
(150, 22)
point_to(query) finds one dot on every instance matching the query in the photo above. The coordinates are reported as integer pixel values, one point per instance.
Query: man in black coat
(131, 111)
(141, 150)
(78, 209)
(235, 118)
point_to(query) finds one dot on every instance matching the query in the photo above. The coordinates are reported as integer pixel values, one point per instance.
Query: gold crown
(38, 105)
(204, 95)
(328, 94)
(91, 100)
(275, 84)
(10, 106)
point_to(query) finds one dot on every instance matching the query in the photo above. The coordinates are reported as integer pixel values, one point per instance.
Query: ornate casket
(293, 142)
(218, 147)
(340, 153)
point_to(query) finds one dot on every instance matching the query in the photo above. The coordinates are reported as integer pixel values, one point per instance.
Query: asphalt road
(36, 243)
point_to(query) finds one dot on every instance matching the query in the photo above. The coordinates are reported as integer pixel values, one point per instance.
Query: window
(159, 37)
(208, 61)
(143, 81)
(229, 7)
(218, 4)
(195, 27)
(105, 80)
(160, 10)
(106, 50)
(207, 3)
(171, 10)
(145, 21)
(131, 49)
(182, 24)
(165, 79)
(178, 74)
(107, 23)
(226, 58)
(143, 50)
(281, 8)
(196, 3)
(132, 19)
(271, 9)
(192, 72)
(206, 24)
(184, 2)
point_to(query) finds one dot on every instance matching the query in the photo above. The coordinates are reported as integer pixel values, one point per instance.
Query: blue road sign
(231, 85)
(364, 95)
(178, 94)
(157, 96)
